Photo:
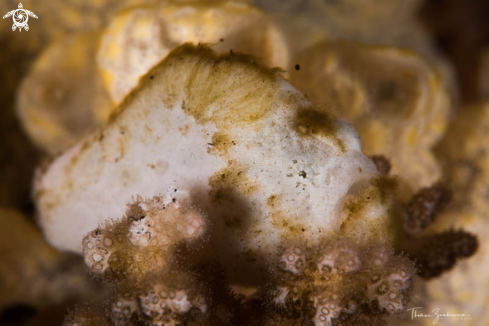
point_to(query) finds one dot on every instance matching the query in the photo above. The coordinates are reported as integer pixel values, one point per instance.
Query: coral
(340, 282)
(140, 243)
(165, 304)
(210, 121)
(336, 282)
(63, 99)
(463, 152)
(226, 25)
(421, 210)
(382, 163)
(395, 100)
(34, 274)
(437, 253)
(149, 285)
(280, 217)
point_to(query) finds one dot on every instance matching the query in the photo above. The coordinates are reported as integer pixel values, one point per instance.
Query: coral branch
(382, 163)
(424, 206)
(439, 253)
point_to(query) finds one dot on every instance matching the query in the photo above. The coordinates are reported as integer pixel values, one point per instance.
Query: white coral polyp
(140, 231)
(164, 222)
(162, 300)
(326, 311)
(341, 258)
(123, 307)
(389, 291)
(281, 295)
(293, 260)
(98, 246)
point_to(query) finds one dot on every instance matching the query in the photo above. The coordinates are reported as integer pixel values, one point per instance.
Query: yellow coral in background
(395, 100)
(28, 264)
(78, 81)
(138, 38)
(464, 152)
(63, 98)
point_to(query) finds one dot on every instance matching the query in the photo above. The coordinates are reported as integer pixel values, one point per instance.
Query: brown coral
(423, 207)
(142, 241)
(340, 282)
(382, 163)
(438, 253)
(151, 286)
(394, 98)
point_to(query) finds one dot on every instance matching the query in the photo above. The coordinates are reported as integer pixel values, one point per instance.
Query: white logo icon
(20, 17)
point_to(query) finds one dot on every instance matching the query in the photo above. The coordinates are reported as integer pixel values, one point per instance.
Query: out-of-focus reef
(319, 201)
(375, 22)
(63, 99)
(19, 50)
(371, 21)
(33, 275)
(67, 96)
(461, 30)
(464, 154)
(395, 100)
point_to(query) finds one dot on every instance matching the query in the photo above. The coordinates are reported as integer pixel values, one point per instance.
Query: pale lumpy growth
(138, 38)
(328, 309)
(98, 247)
(240, 142)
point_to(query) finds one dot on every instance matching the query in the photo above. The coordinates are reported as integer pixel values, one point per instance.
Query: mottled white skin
(145, 149)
